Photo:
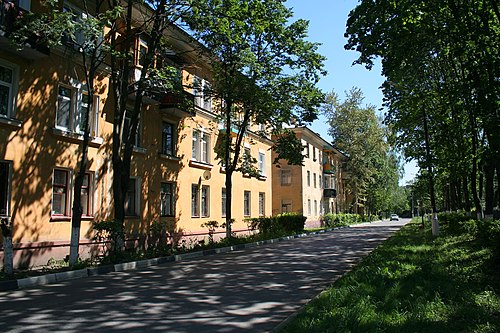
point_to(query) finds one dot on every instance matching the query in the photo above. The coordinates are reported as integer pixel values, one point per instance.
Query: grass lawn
(412, 283)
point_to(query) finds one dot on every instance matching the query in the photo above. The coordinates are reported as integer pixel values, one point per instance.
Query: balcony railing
(180, 104)
(11, 15)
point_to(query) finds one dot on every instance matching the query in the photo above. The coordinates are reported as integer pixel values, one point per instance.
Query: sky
(327, 22)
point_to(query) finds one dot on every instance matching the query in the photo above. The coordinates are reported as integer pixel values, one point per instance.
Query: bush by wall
(336, 220)
(279, 224)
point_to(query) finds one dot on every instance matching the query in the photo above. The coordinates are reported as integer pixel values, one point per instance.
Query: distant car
(394, 217)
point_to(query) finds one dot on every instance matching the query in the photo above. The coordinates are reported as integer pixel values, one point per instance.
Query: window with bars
(262, 204)
(246, 203)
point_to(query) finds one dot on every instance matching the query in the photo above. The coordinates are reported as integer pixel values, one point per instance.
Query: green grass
(412, 283)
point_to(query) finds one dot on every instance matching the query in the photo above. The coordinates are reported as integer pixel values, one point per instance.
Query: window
(262, 163)
(132, 198)
(7, 91)
(202, 92)
(168, 139)
(73, 109)
(286, 206)
(195, 200)
(4, 188)
(286, 177)
(136, 140)
(60, 192)
(315, 207)
(201, 144)
(167, 199)
(81, 38)
(309, 207)
(223, 202)
(142, 51)
(86, 195)
(246, 203)
(314, 153)
(262, 204)
(24, 4)
(307, 150)
(314, 180)
(205, 201)
(319, 181)
(309, 178)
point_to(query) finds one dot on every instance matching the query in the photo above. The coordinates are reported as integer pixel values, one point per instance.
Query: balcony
(174, 103)
(329, 193)
(12, 13)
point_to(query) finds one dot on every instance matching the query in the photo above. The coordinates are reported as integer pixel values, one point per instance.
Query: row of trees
(442, 66)
(264, 72)
(373, 167)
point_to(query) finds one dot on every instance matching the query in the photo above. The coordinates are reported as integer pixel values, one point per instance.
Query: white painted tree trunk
(435, 225)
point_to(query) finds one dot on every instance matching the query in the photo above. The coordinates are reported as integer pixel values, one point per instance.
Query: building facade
(175, 176)
(314, 188)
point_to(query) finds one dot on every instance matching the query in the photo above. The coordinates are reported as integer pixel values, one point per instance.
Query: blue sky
(327, 20)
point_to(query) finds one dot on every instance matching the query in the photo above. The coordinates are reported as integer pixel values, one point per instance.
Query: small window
(200, 147)
(168, 139)
(309, 207)
(166, 199)
(60, 192)
(205, 201)
(307, 150)
(320, 181)
(223, 202)
(132, 198)
(7, 91)
(73, 109)
(314, 153)
(142, 51)
(286, 206)
(246, 203)
(315, 207)
(86, 195)
(136, 140)
(308, 178)
(314, 180)
(5, 188)
(202, 93)
(195, 200)
(262, 204)
(262, 164)
(286, 177)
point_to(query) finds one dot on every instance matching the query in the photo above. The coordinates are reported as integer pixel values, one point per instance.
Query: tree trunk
(8, 255)
(465, 186)
(435, 223)
(229, 196)
(489, 174)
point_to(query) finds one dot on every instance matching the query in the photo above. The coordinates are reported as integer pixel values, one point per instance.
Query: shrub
(280, 224)
(108, 233)
(336, 220)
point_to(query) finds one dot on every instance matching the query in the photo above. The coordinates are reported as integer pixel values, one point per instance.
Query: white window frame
(308, 207)
(77, 91)
(262, 163)
(200, 98)
(90, 195)
(205, 201)
(201, 146)
(314, 179)
(247, 203)
(308, 178)
(195, 200)
(223, 201)
(315, 207)
(262, 203)
(13, 88)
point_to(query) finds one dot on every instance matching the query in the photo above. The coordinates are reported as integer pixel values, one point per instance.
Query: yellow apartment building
(175, 176)
(314, 188)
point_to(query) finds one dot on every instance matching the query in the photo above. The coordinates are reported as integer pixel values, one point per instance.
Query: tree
(440, 60)
(264, 73)
(356, 131)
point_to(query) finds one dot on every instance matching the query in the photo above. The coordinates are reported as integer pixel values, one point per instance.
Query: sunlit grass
(412, 283)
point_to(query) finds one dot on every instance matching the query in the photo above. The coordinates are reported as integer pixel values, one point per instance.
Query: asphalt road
(252, 290)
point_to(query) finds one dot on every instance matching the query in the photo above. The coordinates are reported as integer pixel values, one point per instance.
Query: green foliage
(108, 234)
(278, 225)
(331, 220)
(211, 226)
(412, 283)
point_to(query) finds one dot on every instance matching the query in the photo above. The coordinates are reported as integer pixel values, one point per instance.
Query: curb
(9, 285)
